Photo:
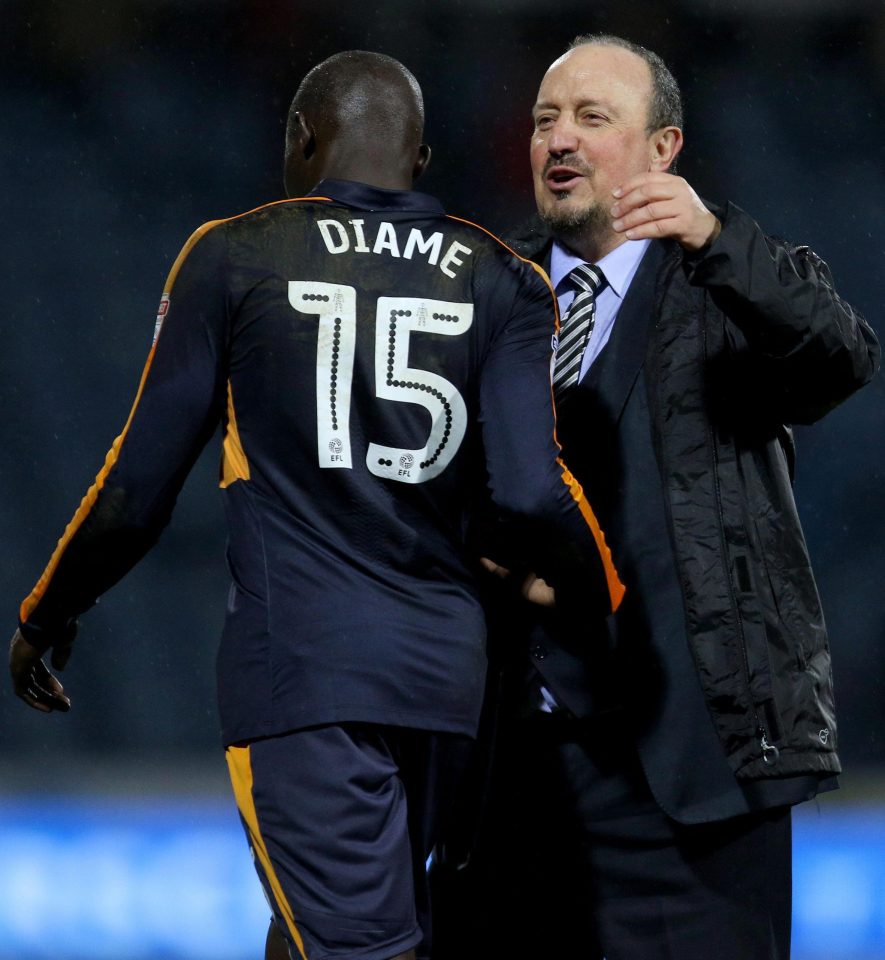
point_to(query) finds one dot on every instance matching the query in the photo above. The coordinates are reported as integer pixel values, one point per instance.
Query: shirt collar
(362, 196)
(618, 266)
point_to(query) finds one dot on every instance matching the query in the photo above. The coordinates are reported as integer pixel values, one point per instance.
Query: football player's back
(372, 362)
(358, 328)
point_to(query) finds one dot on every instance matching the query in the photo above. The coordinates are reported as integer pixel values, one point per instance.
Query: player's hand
(663, 205)
(31, 679)
(538, 591)
(531, 587)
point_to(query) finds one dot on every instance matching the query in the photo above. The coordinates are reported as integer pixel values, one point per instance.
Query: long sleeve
(177, 407)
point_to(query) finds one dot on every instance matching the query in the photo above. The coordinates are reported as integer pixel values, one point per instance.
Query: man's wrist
(698, 251)
(713, 236)
(43, 638)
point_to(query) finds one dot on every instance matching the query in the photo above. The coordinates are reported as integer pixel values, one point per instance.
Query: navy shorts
(341, 820)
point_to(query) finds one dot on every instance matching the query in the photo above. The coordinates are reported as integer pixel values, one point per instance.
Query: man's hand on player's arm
(659, 205)
(531, 587)
(31, 678)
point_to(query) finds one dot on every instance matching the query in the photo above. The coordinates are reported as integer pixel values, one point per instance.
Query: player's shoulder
(206, 250)
(503, 255)
(486, 239)
(269, 212)
(213, 233)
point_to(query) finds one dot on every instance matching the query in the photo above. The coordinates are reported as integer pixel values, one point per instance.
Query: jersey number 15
(395, 319)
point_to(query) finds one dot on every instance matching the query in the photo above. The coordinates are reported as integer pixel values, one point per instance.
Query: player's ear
(302, 135)
(421, 161)
(298, 177)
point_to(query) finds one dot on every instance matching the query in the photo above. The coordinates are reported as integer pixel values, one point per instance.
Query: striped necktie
(574, 331)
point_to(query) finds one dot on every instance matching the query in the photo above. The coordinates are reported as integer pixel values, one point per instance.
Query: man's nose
(562, 139)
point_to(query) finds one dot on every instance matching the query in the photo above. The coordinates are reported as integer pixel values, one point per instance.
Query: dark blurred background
(127, 124)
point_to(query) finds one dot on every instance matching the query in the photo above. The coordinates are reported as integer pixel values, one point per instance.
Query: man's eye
(593, 118)
(542, 123)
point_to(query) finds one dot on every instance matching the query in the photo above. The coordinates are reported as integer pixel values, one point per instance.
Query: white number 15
(395, 320)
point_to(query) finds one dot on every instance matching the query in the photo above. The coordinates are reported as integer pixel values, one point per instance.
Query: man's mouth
(562, 178)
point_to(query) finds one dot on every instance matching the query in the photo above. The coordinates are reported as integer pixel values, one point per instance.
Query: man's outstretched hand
(31, 679)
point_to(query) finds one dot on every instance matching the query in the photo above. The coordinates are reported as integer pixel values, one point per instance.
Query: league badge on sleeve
(162, 310)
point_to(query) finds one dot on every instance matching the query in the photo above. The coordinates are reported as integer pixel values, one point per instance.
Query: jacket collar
(362, 196)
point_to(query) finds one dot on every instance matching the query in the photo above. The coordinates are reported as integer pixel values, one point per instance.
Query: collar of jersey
(364, 197)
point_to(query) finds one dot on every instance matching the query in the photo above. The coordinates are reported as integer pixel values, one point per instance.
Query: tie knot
(587, 277)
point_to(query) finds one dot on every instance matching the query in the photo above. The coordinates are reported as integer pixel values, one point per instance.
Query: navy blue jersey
(376, 366)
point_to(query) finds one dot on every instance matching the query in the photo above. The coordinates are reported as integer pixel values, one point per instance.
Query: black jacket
(744, 339)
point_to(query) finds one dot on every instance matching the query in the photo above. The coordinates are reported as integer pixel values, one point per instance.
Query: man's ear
(302, 134)
(421, 161)
(300, 147)
(666, 145)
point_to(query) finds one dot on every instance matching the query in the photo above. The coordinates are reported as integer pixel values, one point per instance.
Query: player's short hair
(665, 104)
(359, 87)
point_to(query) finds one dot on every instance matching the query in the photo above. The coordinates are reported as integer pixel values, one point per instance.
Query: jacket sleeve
(811, 349)
(538, 496)
(177, 407)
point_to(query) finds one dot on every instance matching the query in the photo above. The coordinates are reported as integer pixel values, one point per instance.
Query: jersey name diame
(338, 239)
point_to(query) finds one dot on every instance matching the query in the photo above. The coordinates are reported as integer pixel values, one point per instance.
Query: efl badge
(162, 310)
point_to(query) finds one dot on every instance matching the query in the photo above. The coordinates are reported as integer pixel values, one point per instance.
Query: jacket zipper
(770, 752)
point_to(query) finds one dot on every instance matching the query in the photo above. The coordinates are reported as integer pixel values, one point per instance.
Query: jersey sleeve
(177, 407)
(529, 483)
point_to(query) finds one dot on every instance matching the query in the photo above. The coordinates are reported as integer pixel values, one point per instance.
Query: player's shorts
(341, 820)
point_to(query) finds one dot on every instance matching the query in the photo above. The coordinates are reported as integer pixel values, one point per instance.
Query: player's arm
(178, 404)
(529, 483)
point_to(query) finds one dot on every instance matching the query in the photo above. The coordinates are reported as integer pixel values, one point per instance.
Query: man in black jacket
(641, 803)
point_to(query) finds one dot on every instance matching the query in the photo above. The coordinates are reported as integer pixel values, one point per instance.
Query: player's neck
(375, 167)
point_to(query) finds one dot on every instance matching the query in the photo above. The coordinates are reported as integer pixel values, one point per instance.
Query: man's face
(589, 135)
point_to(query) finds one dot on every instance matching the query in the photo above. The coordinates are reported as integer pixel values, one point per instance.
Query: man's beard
(569, 225)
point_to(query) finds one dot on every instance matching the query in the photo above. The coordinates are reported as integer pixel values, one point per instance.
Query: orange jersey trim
(87, 503)
(206, 227)
(234, 463)
(239, 764)
(616, 589)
